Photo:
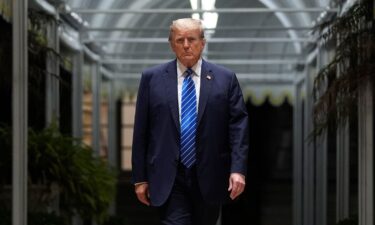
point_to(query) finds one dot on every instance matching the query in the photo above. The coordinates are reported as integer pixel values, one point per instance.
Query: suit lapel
(170, 81)
(206, 83)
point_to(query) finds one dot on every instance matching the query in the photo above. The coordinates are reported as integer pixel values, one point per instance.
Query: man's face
(188, 45)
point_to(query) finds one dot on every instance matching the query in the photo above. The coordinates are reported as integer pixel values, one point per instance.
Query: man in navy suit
(189, 193)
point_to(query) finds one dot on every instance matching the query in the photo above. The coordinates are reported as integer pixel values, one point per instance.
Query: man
(190, 133)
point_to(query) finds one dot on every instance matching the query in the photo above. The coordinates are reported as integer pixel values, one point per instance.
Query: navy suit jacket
(221, 142)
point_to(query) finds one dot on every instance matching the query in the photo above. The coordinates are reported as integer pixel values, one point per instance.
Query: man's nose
(186, 43)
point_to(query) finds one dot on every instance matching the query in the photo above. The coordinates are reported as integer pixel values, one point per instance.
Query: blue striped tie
(188, 120)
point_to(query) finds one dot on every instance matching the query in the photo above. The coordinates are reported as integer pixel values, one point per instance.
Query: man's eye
(189, 40)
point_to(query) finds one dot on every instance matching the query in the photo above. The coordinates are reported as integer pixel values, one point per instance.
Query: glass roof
(255, 38)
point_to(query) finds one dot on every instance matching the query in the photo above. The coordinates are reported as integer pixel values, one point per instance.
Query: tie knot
(189, 72)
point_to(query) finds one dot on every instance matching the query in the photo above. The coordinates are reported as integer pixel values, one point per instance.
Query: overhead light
(209, 19)
(285, 21)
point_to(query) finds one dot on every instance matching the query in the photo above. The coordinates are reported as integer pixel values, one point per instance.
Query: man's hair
(186, 23)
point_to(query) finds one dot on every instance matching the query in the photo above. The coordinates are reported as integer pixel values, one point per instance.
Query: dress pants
(185, 205)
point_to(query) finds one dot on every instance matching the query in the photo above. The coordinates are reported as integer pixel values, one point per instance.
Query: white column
(342, 173)
(112, 140)
(308, 154)
(77, 95)
(96, 90)
(321, 180)
(321, 160)
(19, 113)
(297, 154)
(112, 134)
(52, 78)
(366, 155)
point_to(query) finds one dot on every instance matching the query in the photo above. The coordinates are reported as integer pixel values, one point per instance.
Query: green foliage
(38, 47)
(38, 22)
(336, 85)
(86, 183)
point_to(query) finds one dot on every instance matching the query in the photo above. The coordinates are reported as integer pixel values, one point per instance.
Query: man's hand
(141, 190)
(236, 184)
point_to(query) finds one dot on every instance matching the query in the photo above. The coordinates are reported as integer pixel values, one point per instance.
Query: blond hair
(188, 24)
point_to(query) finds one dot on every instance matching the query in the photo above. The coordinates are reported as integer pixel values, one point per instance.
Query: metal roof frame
(189, 11)
(220, 61)
(248, 58)
(234, 28)
(209, 40)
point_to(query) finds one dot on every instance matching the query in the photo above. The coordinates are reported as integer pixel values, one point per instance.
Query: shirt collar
(196, 68)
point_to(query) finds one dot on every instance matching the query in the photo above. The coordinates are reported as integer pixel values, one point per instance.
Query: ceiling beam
(253, 77)
(219, 61)
(222, 10)
(169, 54)
(230, 28)
(209, 40)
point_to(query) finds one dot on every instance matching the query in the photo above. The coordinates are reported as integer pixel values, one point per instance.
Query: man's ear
(172, 46)
(203, 42)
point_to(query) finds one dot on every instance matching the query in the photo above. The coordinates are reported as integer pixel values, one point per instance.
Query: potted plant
(336, 85)
(61, 167)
